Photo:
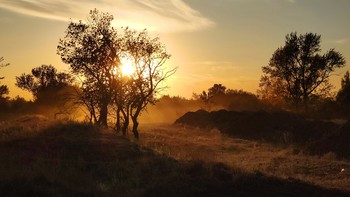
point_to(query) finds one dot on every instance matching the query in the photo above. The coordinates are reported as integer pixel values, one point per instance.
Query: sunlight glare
(127, 67)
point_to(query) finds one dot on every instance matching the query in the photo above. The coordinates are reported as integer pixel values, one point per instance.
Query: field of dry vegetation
(210, 146)
(40, 157)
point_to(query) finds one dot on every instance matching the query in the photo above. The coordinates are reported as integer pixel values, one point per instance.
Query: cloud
(155, 15)
(342, 41)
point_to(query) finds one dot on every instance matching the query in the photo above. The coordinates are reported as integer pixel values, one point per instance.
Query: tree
(300, 69)
(148, 56)
(343, 96)
(44, 81)
(213, 94)
(3, 88)
(216, 90)
(94, 50)
(273, 92)
(91, 49)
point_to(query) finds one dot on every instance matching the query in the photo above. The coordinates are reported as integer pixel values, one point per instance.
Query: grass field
(188, 143)
(40, 157)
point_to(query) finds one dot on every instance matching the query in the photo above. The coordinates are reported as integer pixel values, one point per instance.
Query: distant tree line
(218, 96)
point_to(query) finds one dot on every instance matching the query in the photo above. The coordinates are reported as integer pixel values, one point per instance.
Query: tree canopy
(298, 70)
(95, 50)
(3, 88)
(43, 80)
(343, 96)
(92, 50)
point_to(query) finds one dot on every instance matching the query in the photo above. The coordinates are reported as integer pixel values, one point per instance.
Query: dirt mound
(279, 127)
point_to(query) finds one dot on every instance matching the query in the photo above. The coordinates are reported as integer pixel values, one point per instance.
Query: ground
(40, 157)
(285, 162)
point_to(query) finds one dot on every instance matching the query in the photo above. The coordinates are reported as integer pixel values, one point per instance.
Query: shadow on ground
(73, 159)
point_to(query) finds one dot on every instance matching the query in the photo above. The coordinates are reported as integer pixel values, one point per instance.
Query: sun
(127, 67)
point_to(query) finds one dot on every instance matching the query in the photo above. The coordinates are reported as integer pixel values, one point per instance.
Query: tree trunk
(117, 124)
(126, 121)
(103, 114)
(306, 102)
(135, 127)
(134, 118)
(125, 126)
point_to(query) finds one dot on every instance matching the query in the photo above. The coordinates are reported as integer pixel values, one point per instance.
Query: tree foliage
(148, 56)
(91, 49)
(43, 80)
(343, 96)
(94, 50)
(3, 88)
(218, 96)
(298, 70)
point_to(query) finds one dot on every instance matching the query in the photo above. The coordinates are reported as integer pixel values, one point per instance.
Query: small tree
(216, 90)
(3, 88)
(273, 91)
(343, 96)
(212, 95)
(300, 69)
(148, 56)
(44, 81)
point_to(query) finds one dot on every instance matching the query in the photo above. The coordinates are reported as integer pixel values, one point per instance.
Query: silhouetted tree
(3, 88)
(217, 90)
(343, 96)
(43, 82)
(148, 56)
(300, 69)
(91, 49)
(94, 49)
(273, 91)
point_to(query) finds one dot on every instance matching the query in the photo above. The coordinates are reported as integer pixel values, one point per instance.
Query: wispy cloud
(342, 41)
(155, 15)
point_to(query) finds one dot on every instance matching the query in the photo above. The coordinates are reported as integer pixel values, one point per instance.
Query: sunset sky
(211, 41)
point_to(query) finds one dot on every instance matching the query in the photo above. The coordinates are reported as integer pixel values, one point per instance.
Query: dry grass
(40, 157)
(188, 143)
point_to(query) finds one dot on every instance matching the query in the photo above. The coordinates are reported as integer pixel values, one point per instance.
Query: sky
(211, 41)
